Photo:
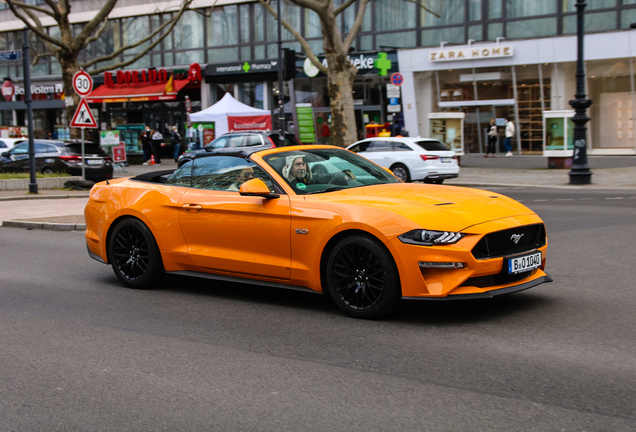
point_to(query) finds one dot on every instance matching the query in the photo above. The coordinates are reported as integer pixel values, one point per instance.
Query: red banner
(244, 123)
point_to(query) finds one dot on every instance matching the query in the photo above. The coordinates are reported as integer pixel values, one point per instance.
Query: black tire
(362, 278)
(134, 255)
(47, 170)
(402, 172)
(434, 181)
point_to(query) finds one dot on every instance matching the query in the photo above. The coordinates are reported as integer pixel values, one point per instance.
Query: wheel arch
(326, 251)
(112, 226)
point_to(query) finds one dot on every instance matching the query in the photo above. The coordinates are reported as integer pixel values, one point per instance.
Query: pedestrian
(492, 138)
(175, 140)
(49, 135)
(145, 145)
(395, 128)
(157, 139)
(510, 132)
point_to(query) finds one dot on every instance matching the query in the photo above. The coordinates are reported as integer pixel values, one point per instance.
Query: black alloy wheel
(362, 278)
(134, 255)
(401, 172)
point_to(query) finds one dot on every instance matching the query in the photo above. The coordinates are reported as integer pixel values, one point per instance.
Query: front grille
(496, 280)
(500, 244)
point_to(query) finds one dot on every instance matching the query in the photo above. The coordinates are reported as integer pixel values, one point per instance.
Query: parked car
(59, 156)
(320, 219)
(9, 143)
(411, 159)
(250, 141)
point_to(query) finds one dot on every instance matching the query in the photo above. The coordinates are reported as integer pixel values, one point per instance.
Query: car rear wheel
(434, 181)
(401, 172)
(47, 170)
(134, 255)
(362, 278)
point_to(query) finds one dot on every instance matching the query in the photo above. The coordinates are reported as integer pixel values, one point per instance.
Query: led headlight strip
(429, 238)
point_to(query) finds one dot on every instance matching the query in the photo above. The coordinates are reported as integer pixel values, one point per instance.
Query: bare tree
(68, 47)
(340, 71)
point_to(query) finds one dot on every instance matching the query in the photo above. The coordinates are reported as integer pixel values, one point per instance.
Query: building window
(531, 28)
(525, 8)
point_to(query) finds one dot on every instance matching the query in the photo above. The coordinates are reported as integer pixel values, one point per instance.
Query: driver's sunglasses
(247, 174)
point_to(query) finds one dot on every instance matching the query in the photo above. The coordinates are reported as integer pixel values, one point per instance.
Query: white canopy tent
(230, 107)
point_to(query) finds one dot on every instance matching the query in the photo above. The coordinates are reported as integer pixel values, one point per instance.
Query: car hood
(436, 207)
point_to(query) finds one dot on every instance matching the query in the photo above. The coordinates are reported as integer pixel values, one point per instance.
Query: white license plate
(524, 263)
(447, 160)
(93, 162)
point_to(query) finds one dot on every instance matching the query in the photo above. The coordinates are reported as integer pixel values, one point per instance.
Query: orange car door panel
(228, 232)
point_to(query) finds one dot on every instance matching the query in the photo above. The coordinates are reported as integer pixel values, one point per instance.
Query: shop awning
(140, 92)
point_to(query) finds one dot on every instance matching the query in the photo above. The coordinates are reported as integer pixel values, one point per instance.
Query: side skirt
(489, 294)
(241, 280)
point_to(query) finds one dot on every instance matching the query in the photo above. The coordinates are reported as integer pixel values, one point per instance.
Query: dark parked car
(59, 156)
(247, 141)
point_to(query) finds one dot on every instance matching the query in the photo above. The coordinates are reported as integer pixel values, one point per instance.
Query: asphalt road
(80, 352)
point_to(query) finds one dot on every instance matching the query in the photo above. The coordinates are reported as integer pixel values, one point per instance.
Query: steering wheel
(339, 178)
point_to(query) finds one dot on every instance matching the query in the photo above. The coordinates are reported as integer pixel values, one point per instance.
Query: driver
(296, 172)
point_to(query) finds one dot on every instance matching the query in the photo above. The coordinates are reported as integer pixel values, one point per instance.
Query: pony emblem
(516, 237)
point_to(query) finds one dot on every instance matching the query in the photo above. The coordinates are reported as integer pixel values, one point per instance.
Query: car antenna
(107, 183)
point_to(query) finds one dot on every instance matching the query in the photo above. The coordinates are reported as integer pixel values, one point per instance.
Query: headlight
(430, 238)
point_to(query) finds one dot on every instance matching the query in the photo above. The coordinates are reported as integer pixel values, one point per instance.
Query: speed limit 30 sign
(82, 83)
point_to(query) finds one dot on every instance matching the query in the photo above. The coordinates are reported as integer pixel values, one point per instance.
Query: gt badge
(516, 237)
(301, 231)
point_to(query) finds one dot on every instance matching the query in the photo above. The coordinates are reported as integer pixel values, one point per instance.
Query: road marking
(615, 198)
(540, 200)
(564, 199)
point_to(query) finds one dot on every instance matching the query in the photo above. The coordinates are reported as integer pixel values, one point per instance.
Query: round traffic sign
(397, 79)
(82, 83)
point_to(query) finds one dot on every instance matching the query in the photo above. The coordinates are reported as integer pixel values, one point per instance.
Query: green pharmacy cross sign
(382, 64)
(246, 67)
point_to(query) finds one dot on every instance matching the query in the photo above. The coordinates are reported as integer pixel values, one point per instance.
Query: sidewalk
(609, 172)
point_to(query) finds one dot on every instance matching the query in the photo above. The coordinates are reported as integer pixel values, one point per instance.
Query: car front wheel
(401, 172)
(134, 255)
(362, 278)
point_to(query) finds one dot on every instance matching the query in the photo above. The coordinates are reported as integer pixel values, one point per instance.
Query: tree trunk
(69, 69)
(340, 87)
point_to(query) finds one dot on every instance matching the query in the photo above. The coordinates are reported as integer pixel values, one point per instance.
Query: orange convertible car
(316, 218)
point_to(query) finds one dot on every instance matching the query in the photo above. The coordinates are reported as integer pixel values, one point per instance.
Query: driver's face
(299, 169)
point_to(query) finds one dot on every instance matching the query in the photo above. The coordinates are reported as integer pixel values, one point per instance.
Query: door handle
(193, 207)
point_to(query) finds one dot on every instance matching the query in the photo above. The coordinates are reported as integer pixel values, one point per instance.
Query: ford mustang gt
(316, 218)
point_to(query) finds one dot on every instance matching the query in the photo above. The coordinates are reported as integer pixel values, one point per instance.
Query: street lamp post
(281, 93)
(580, 173)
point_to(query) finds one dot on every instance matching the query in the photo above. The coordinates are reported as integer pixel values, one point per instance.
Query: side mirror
(256, 187)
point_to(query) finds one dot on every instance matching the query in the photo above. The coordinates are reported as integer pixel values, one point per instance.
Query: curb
(38, 197)
(45, 225)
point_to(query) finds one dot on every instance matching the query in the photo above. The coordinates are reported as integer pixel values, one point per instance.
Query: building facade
(534, 75)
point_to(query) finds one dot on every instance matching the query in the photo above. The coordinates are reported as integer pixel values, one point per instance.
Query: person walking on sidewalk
(510, 132)
(175, 140)
(157, 138)
(492, 138)
(145, 145)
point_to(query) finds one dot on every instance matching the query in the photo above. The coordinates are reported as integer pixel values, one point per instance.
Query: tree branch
(342, 7)
(55, 8)
(89, 28)
(34, 28)
(172, 23)
(37, 57)
(427, 9)
(356, 26)
(96, 35)
(32, 7)
(303, 43)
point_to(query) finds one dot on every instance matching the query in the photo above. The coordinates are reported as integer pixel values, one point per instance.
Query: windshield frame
(339, 169)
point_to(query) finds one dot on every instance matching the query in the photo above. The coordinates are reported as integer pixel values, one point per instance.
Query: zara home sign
(475, 52)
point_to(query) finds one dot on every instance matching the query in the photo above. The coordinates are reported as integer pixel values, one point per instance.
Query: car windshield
(324, 170)
(431, 145)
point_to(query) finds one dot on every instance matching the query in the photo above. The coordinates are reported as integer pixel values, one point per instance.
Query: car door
(227, 232)
(17, 158)
(380, 152)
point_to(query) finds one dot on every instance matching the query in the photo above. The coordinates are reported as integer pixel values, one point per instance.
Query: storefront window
(252, 94)
(450, 11)
(593, 22)
(495, 30)
(245, 23)
(188, 34)
(475, 32)
(223, 26)
(392, 15)
(432, 37)
(531, 28)
(570, 5)
(134, 30)
(188, 57)
(398, 40)
(220, 55)
(474, 10)
(494, 9)
(525, 8)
